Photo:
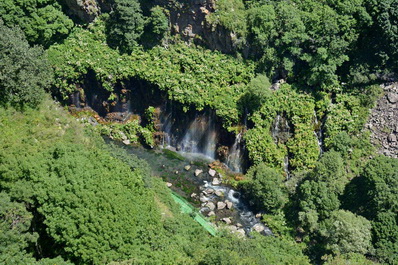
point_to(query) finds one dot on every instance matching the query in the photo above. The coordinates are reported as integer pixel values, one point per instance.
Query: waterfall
(235, 155)
(200, 137)
(319, 132)
(197, 135)
(276, 128)
(286, 167)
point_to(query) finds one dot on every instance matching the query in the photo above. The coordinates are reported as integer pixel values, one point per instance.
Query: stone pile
(383, 122)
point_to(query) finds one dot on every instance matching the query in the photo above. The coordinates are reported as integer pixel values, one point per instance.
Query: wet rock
(212, 172)
(239, 225)
(209, 191)
(211, 213)
(392, 138)
(187, 167)
(229, 204)
(194, 195)
(392, 97)
(211, 206)
(221, 205)
(227, 220)
(216, 181)
(203, 198)
(198, 172)
(126, 142)
(258, 228)
(258, 215)
(168, 184)
(219, 193)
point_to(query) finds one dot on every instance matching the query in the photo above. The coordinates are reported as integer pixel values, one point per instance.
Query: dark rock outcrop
(383, 122)
(188, 20)
(87, 10)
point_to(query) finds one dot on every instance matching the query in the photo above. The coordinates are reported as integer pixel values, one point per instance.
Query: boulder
(227, 220)
(187, 167)
(392, 97)
(221, 205)
(211, 206)
(258, 215)
(212, 172)
(239, 225)
(126, 142)
(216, 181)
(219, 193)
(209, 191)
(258, 228)
(203, 198)
(229, 204)
(392, 138)
(198, 172)
(194, 195)
(211, 213)
(168, 184)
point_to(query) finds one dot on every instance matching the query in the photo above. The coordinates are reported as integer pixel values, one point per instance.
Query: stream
(189, 175)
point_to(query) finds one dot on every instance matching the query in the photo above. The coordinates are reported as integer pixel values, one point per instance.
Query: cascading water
(246, 217)
(199, 137)
(319, 132)
(276, 128)
(235, 156)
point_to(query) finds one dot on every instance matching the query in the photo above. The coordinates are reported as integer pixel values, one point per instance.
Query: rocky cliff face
(87, 10)
(187, 19)
(383, 122)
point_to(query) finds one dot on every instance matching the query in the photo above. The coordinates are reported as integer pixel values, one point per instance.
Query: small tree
(266, 188)
(24, 71)
(346, 232)
(126, 25)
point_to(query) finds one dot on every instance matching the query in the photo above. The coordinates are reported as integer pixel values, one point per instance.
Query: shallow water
(170, 166)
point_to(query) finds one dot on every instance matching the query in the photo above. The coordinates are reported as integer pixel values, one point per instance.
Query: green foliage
(190, 75)
(130, 130)
(302, 146)
(330, 170)
(24, 72)
(259, 250)
(347, 114)
(380, 204)
(381, 180)
(126, 25)
(42, 21)
(14, 237)
(232, 16)
(349, 258)
(345, 232)
(319, 195)
(156, 26)
(266, 188)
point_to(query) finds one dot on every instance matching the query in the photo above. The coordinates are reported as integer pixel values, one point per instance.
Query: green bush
(24, 70)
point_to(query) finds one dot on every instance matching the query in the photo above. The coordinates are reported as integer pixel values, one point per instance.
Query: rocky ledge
(383, 122)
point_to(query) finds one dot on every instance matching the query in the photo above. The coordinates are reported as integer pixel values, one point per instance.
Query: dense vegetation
(68, 198)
